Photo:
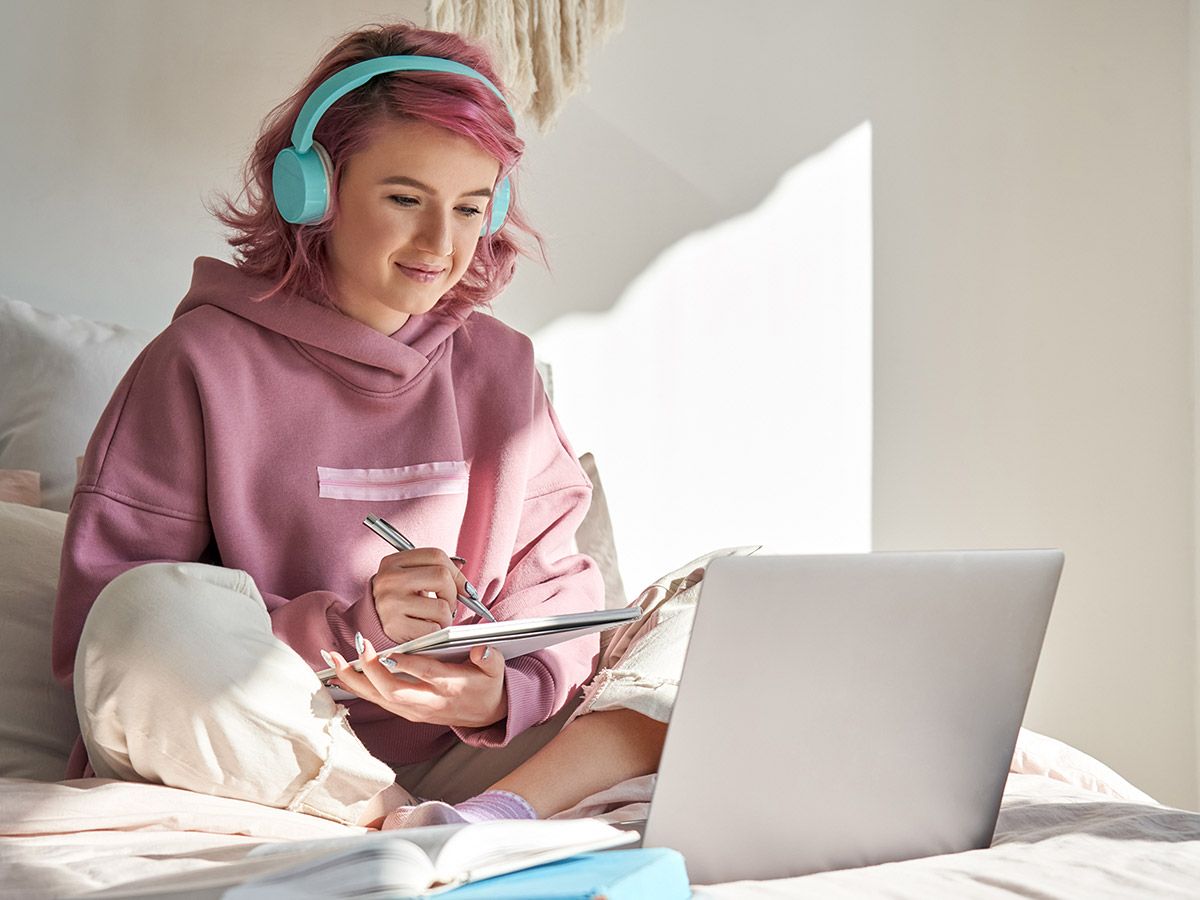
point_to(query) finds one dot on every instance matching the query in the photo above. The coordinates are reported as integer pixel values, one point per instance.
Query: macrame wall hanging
(540, 47)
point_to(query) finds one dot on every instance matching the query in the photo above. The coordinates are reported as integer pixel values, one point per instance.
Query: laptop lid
(847, 710)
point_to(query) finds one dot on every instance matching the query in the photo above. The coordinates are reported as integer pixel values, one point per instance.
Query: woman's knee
(164, 621)
(142, 598)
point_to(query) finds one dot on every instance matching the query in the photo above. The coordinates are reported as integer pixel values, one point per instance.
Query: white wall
(1033, 354)
(1031, 281)
(727, 395)
(1194, 97)
(1032, 275)
(120, 118)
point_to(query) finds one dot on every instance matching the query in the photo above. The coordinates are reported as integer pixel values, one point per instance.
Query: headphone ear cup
(301, 184)
(500, 201)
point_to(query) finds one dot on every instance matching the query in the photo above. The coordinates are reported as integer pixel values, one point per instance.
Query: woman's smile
(421, 274)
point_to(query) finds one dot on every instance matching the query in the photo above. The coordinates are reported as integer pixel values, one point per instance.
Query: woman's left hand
(421, 689)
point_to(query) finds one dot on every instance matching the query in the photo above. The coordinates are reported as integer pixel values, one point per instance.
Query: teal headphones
(302, 177)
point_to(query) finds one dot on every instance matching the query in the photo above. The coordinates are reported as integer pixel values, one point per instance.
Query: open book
(421, 861)
(513, 638)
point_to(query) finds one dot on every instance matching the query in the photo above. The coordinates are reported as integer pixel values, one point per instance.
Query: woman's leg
(180, 681)
(617, 745)
(617, 730)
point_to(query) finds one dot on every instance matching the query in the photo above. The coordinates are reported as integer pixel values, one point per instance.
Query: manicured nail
(487, 651)
(328, 659)
(359, 643)
(388, 663)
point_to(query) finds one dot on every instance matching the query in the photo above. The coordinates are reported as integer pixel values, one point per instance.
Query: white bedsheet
(1069, 827)
(1052, 840)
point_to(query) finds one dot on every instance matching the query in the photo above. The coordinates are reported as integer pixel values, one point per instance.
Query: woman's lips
(423, 276)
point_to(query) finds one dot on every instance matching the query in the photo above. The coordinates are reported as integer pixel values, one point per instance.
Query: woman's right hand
(416, 592)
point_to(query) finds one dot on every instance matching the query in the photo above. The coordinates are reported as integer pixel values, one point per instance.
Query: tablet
(513, 638)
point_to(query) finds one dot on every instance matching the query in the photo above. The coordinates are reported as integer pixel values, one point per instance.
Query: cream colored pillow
(37, 716)
(595, 538)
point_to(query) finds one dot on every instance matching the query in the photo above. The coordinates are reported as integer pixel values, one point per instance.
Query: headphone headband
(302, 176)
(341, 83)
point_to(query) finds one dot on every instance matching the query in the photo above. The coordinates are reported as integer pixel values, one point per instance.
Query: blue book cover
(656, 873)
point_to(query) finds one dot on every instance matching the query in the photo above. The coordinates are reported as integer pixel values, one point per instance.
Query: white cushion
(37, 716)
(59, 373)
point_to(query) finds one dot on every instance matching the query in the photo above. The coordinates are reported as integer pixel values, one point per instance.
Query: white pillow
(59, 373)
(37, 716)
(1037, 754)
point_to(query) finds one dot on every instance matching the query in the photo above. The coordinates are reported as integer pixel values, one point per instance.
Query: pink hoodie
(258, 435)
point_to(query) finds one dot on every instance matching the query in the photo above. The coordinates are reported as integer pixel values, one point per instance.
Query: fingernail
(388, 663)
(328, 659)
(458, 559)
(487, 651)
(358, 642)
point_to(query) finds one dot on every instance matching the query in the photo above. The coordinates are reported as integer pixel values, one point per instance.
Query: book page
(419, 861)
(351, 866)
(486, 849)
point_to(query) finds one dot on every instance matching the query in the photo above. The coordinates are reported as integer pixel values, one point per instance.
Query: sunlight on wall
(727, 395)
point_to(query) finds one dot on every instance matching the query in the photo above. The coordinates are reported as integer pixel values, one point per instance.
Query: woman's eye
(403, 201)
(470, 211)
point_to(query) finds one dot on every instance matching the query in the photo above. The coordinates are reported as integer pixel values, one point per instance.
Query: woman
(215, 555)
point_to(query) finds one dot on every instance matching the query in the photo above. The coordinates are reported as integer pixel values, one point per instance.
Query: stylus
(400, 542)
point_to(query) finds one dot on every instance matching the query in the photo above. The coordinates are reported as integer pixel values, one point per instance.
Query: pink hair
(294, 256)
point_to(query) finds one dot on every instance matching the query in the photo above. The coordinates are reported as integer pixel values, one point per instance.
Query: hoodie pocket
(399, 483)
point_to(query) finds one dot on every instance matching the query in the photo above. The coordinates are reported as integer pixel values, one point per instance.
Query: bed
(1069, 826)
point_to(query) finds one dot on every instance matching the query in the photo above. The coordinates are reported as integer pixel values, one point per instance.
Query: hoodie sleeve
(546, 576)
(140, 493)
(325, 620)
(142, 497)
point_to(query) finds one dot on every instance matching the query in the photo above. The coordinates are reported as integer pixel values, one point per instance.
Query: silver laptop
(848, 710)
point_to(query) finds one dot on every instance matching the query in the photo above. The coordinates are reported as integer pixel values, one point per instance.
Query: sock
(487, 806)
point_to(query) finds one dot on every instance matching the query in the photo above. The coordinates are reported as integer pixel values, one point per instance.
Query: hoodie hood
(351, 350)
